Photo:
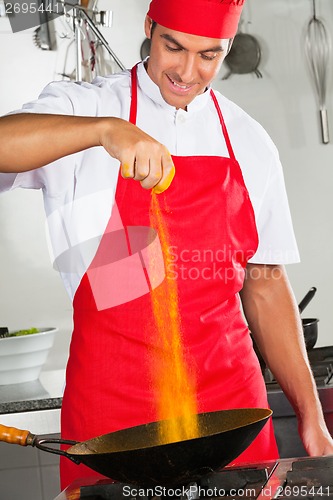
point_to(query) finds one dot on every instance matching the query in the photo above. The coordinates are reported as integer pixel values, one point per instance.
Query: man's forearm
(273, 317)
(274, 321)
(29, 141)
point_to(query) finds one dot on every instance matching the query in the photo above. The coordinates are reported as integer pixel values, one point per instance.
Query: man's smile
(179, 86)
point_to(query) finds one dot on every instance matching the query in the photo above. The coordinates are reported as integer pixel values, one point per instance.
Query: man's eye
(208, 57)
(173, 49)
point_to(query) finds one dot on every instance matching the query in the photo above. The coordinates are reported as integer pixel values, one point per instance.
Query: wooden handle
(15, 436)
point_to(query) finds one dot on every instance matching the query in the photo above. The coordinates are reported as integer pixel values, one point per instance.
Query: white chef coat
(79, 189)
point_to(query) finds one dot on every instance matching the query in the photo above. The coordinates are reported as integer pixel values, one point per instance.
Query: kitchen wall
(28, 473)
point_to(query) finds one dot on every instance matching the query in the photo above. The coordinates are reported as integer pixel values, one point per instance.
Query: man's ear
(148, 24)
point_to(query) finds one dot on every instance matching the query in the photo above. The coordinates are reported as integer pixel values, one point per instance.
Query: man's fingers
(141, 168)
(155, 171)
(155, 174)
(168, 175)
(127, 169)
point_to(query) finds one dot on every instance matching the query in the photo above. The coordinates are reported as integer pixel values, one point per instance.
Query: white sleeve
(262, 171)
(7, 181)
(66, 98)
(277, 242)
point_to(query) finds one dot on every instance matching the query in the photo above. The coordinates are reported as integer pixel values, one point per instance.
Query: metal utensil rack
(78, 15)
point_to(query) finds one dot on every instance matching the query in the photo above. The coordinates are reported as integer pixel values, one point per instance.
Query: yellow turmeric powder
(173, 383)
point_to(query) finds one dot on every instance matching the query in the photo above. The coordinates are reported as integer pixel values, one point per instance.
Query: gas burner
(293, 478)
(329, 374)
(228, 483)
(321, 362)
(324, 354)
(311, 478)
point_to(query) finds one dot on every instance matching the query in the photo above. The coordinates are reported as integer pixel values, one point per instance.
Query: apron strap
(224, 128)
(134, 99)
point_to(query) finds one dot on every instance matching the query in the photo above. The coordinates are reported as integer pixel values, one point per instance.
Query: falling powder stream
(173, 381)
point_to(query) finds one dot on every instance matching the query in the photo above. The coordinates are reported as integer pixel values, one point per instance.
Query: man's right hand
(141, 157)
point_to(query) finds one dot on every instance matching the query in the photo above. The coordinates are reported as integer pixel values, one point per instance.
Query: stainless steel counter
(34, 406)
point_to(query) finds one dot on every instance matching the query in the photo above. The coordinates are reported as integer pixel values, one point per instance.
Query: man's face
(183, 65)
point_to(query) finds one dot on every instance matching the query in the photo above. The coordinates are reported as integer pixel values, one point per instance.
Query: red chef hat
(210, 18)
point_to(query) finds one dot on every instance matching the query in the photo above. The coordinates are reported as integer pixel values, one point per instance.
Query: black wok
(135, 456)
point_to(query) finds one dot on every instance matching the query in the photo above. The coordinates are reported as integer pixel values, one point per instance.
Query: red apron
(213, 234)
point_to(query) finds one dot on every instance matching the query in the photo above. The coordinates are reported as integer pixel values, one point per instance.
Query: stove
(284, 418)
(321, 361)
(293, 476)
(301, 478)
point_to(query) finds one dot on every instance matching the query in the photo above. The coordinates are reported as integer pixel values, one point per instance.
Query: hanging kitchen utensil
(245, 53)
(306, 300)
(244, 56)
(317, 50)
(145, 48)
(135, 456)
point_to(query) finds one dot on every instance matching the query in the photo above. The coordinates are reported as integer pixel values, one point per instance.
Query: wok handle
(12, 435)
(324, 126)
(40, 443)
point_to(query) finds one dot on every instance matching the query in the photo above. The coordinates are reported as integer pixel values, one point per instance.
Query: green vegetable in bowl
(24, 332)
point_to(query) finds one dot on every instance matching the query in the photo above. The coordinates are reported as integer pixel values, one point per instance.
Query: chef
(97, 150)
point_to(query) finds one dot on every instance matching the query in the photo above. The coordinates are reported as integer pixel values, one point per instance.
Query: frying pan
(135, 456)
